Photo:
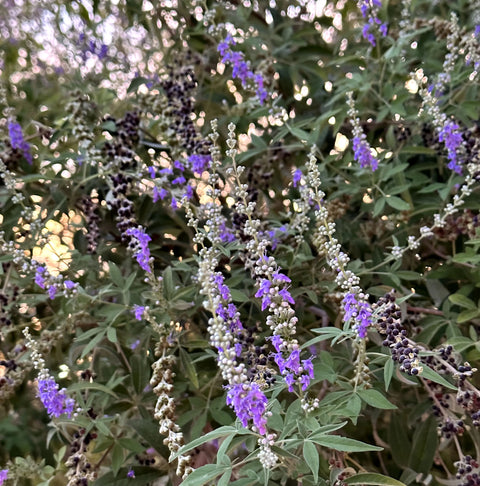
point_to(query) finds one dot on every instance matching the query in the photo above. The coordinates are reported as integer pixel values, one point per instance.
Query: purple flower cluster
(138, 310)
(92, 47)
(54, 400)
(362, 152)
(276, 297)
(174, 178)
(199, 163)
(452, 140)
(249, 402)
(140, 247)
(268, 297)
(292, 368)
(3, 476)
(241, 68)
(369, 10)
(18, 142)
(45, 281)
(297, 177)
(358, 310)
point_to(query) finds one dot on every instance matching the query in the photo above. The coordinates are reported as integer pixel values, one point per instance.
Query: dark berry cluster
(121, 149)
(145, 460)
(88, 208)
(11, 157)
(468, 472)
(179, 86)
(402, 133)
(7, 297)
(255, 358)
(455, 226)
(390, 324)
(80, 470)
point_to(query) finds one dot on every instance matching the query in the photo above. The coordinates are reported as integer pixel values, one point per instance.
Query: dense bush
(239, 242)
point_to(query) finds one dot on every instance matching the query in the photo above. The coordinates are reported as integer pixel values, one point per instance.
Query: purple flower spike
(142, 253)
(452, 139)
(249, 403)
(18, 142)
(241, 68)
(39, 277)
(363, 154)
(138, 310)
(297, 177)
(54, 400)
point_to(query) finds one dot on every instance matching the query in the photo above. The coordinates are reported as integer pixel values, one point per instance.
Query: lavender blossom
(358, 310)
(54, 400)
(453, 140)
(3, 475)
(297, 177)
(140, 244)
(370, 10)
(241, 68)
(249, 403)
(40, 276)
(139, 311)
(362, 152)
(131, 473)
(199, 163)
(18, 142)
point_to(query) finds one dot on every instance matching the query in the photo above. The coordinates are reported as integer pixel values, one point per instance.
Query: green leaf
(431, 375)
(344, 444)
(376, 399)
(224, 431)
(117, 458)
(85, 385)
(310, 454)
(424, 446)
(140, 373)
(326, 429)
(396, 203)
(468, 315)
(188, 368)
(148, 430)
(225, 479)
(96, 340)
(112, 334)
(131, 445)
(204, 474)
(116, 275)
(388, 370)
(372, 478)
(462, 301)
(461, 343)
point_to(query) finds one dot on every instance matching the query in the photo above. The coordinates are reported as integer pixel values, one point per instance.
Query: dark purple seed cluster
(455, 226)
(179, 86)
(402, 133)
(145, 460)
(8, 296)
(255, 358)
(88, 208)
(390, 324)
(80, 469)
(468, 472)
